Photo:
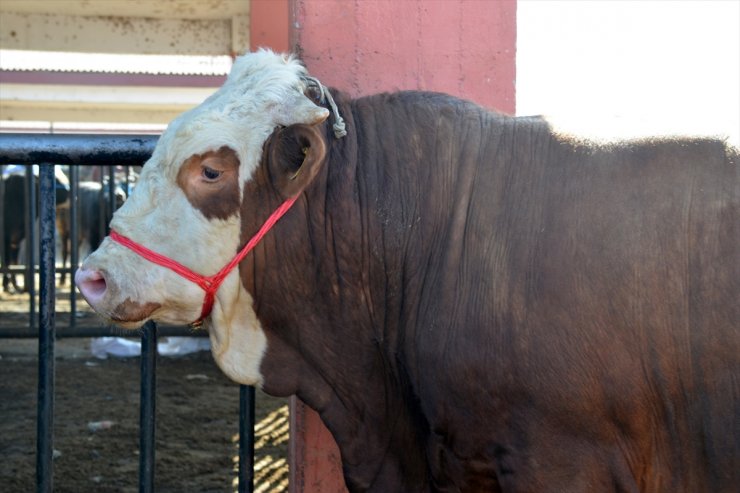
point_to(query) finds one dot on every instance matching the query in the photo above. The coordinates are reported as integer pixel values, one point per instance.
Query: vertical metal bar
(147, 407)
(127, 180)
(2, 222)
(101, 205)
(30, 284)
(74, 234)
(27, 222)
(111, 206)
(45, 405)
(246, 439)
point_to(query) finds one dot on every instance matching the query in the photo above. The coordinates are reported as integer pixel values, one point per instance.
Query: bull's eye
(210, 174)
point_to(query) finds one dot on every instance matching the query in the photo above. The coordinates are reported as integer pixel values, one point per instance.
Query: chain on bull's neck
(340, 129)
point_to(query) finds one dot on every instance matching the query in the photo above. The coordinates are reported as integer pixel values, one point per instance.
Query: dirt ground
(197, 420)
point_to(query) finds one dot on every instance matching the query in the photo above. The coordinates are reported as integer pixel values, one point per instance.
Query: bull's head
(187, 207)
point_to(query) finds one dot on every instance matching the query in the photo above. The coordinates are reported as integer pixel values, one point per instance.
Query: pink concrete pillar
(466, 48)
(269, 25)
(313, 456)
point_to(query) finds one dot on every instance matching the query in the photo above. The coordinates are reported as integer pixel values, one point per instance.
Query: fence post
(246, 439)
(147, 407)
(45, 418)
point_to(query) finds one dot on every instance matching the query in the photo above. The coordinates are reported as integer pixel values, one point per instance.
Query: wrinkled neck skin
(322, 294)
(327, 285)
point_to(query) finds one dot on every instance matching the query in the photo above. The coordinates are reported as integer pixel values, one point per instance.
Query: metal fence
(79, 151)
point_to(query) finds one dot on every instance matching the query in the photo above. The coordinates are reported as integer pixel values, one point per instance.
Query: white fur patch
(238, 342)
(240, 115)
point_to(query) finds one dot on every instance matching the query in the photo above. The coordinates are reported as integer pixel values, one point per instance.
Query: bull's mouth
(125, 325)
(132, 314)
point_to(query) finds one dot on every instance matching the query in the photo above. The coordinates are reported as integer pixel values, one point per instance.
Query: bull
(471, 301)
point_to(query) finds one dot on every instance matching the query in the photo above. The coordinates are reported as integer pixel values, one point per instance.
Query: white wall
(631, 67)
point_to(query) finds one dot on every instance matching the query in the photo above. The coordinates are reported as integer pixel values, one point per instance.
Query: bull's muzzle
(92, 285)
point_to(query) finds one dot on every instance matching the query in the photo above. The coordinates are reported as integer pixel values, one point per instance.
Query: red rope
(209, 284)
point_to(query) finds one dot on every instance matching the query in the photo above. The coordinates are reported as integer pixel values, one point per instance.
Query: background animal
(14, 217)
(94, 214)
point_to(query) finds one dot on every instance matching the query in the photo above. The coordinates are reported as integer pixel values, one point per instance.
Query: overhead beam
(87, 113)
(53, 32)
(155, 9)
(38, 102)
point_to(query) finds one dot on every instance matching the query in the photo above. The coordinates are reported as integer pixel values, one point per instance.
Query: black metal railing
(45, 405)
(79, 151)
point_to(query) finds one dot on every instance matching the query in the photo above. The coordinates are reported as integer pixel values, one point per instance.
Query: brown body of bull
(474, 303)
(471, 301)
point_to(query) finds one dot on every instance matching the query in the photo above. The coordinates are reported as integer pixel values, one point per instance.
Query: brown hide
(475, 304)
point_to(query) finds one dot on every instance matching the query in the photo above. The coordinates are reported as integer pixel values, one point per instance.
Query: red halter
(209, 284)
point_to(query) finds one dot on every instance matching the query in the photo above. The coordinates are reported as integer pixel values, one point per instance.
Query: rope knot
(340, 129)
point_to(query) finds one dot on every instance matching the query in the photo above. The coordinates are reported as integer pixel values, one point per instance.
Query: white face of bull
(186, 207)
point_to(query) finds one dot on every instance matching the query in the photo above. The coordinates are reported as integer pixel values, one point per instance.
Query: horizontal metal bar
(21, 268)
(68, 332)
(15, 269)
(122, 150)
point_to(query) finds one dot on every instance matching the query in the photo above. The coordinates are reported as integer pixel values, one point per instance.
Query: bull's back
(628, 285)
(637, 288)
(593, 295)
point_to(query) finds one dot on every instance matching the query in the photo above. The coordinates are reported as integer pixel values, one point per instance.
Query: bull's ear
(300, 109)
(295, 155)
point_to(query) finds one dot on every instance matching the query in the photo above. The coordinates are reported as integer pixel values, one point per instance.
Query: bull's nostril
(91, 284)
(96, 287)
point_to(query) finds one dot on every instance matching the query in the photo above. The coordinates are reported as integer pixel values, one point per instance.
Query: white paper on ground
(102, 347)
